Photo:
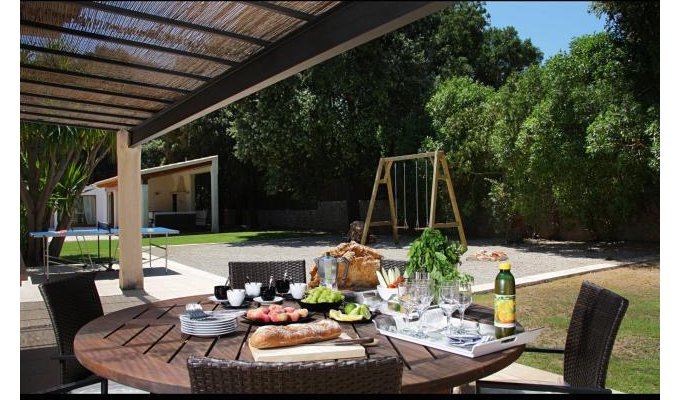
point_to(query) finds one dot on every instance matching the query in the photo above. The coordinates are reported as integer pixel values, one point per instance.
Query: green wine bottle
(504, 302)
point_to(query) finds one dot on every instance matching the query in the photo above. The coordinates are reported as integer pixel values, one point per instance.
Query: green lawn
(71, 249)
(634, 365)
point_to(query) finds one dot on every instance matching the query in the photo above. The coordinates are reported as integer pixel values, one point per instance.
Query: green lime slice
(365, 312)
(349, 307)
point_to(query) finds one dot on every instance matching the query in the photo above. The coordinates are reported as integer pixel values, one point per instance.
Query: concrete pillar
(129, 218)
(145, 205)
(214, 197)
(192, 193)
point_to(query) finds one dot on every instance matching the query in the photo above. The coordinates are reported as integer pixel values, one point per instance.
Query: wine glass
(421, 276)
(463, 298)
(423, 300)
(406, 300)
(447, 302)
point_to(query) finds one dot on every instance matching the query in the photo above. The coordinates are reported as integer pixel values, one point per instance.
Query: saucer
(218, 301)
(276, 300)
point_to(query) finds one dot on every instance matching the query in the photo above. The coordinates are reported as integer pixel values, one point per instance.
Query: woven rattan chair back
(71, 303)
(374, 375)
(389, 264)
(594, 324)
(260, 271)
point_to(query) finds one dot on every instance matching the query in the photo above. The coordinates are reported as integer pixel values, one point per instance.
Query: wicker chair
(260, 271)
(374, 375)
(71, 303)
(387, 263)
(594, 324)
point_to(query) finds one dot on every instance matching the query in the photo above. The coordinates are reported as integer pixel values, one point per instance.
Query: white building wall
(100, 193)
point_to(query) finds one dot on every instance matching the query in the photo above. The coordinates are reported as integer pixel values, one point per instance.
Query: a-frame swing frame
(383, 177)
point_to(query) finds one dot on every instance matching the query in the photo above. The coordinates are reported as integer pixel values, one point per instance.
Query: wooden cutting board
(308, 352)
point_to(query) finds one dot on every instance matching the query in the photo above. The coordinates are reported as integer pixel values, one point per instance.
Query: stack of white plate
(218, 323)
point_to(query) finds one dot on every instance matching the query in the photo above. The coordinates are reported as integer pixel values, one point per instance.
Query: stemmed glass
(447, 302)
(423, 299)
(463, 298)
(407, 301)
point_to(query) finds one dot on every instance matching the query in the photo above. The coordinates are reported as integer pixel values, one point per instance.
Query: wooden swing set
(384, 177)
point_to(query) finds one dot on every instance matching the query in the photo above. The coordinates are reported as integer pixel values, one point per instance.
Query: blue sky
(550, 25)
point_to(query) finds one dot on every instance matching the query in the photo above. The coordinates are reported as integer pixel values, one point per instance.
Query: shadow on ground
(38, 370)
(37, 275)
(607, 250)
(569, 249)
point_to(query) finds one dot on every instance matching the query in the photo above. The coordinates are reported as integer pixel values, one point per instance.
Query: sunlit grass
(71, 249)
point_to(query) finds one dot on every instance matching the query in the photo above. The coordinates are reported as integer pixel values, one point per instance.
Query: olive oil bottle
(504, 302)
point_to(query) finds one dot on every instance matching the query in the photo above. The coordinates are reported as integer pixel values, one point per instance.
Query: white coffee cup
(253, 288)
(236, 297)
(298, 290)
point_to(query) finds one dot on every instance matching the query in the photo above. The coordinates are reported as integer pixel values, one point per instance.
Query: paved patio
(195, 269)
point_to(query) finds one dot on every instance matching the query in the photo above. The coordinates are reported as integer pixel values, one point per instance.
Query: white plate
(206, 329)
(207, 333)
(209, 325)
(277, 299)
(217, 318)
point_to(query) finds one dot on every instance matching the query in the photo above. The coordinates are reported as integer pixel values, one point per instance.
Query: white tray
(439, 341)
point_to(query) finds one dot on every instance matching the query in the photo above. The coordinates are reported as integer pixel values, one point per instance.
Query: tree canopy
(573, 140)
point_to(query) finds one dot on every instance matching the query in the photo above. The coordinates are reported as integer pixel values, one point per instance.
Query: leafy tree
(509, 110)
(586, 149)
(153, 153)
(459, 38)
(635, 26)
(461, 126)
(467, 46)
(47, 153)
(330, 124)
(504, 53)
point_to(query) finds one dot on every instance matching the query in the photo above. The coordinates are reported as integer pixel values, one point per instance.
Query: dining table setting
(147, 346)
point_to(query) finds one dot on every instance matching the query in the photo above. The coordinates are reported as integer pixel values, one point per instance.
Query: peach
(279, 317)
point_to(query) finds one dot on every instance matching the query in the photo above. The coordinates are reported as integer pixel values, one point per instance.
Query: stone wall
(329, 216)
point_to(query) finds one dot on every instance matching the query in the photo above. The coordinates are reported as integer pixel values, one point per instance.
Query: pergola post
(214, 193)
(129, 159)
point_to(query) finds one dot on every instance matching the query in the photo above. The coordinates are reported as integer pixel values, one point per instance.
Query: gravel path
(529, 258)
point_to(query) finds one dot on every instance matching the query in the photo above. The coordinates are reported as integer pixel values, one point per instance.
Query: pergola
(143, 69)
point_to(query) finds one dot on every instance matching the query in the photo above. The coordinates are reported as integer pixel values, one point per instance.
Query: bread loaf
(290, 335)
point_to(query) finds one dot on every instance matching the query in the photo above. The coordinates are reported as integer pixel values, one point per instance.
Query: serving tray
(386, 326)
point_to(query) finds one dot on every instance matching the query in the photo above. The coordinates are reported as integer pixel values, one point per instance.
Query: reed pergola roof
(151, 67)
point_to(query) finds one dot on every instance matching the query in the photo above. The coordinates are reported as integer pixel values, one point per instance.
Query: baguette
(290, 335)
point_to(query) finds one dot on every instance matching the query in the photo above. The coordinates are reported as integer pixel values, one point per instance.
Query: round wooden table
(143, 347)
